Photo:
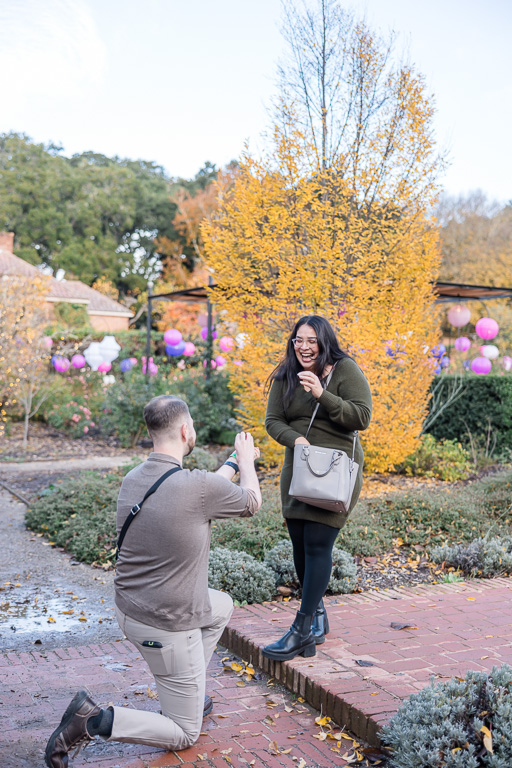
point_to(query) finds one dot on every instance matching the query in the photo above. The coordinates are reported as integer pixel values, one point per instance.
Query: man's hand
(245, 449)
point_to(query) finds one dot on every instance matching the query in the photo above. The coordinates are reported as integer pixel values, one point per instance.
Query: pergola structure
(445, 292)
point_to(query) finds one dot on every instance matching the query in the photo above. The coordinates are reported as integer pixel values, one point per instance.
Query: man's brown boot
(72, 731)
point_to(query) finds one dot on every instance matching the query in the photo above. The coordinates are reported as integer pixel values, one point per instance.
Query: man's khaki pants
(179, 668)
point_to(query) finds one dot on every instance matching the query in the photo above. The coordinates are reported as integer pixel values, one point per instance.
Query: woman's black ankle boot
(298, 641)
(320, 624)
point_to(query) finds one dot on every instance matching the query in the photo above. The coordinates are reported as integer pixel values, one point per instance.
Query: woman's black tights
(312, 555)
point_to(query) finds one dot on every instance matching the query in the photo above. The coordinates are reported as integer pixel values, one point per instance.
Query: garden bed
(389, 533)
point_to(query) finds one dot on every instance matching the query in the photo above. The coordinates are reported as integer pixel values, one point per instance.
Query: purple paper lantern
(220, 361)
(61, 364)
(78, 361)
(172, 337)
(126, 365)
(189, 349)
(204, 333)
(487, 328)
(462, 344)
(438, 351)
(175, 350)
(481, 365)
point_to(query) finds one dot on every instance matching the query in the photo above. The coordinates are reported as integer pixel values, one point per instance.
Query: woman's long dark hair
(329, 352)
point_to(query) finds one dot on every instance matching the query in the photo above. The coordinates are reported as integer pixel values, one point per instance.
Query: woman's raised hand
(311, 383)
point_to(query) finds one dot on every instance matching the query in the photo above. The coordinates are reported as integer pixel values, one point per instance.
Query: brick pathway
(257, 723)
(454, 628)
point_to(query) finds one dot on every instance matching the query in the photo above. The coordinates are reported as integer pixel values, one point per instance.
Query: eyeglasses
(301, 342)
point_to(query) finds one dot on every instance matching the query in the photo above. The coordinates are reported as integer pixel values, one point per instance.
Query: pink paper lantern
(189, 349)
(481, 365)
(133, 360)
(172, 337)
(462, 344)
(202, 319)
(204, 333)
(78, 361)
(237, 362)
(507, 362)
(226, 343)
(213, 364)
(220, 361)
(487, 328)
(153, 369)
(104, 367)
(459, 315)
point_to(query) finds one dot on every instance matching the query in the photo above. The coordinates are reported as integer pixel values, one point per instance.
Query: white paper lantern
(109, 349)
(93, 355)
(490, 351)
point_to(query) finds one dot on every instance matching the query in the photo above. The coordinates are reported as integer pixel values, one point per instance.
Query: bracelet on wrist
(232, 465)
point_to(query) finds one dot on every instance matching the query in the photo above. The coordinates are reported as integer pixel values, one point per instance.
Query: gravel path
(47, 600)
(8, 468)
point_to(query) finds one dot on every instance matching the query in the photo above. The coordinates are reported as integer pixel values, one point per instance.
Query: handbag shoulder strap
(325, 384)
(136, 508)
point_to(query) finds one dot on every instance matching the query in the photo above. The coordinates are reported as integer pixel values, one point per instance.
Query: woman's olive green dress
(345, 406)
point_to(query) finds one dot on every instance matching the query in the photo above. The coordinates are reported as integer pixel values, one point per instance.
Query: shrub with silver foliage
(344, 572)
(344, 569)
(280, 560)
(441, 725)
(482, 557)
(240, 575)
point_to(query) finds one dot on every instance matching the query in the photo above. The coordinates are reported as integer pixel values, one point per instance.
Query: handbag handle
(325, 385)
(334, 460)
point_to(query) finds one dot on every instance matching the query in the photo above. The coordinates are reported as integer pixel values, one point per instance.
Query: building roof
(64, 290)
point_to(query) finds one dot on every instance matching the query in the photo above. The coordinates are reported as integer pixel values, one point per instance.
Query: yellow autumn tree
(25, 378)
(332, 220)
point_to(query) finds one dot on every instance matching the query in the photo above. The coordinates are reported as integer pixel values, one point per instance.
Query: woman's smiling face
(306, 347)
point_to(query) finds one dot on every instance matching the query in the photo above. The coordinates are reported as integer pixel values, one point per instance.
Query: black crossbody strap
(136, 508)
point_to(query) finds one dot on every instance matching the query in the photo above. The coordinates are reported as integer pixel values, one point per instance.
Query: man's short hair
(165, 413)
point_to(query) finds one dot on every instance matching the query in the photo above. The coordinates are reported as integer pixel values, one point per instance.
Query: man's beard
(190, 446)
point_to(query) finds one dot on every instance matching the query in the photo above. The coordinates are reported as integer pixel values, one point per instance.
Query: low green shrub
(456, 724)
(484, 409)
(443, 459)
(200, 458)
(255, 535)
(211, 404)
(123, 413)
(481, 557)
(429, 517)
(246, 579)
(79, 515)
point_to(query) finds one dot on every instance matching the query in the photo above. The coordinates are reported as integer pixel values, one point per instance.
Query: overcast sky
(185, 81)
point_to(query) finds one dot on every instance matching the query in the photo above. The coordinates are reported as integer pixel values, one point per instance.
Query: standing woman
(297, 385)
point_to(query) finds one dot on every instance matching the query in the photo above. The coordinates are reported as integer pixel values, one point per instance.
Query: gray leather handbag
(324, 477)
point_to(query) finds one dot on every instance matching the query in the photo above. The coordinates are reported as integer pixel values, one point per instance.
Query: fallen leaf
(202, 757)
(272, 747)
(82, 618)
(301, 700)
(302, 763)
(399, 625)
(484, 657)
(320, 736)
(151, 694)
(487, 738)
(51, 620)
(269, 720)
(222, 717)
(240, 685)
(226, 751)
(322, 720)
